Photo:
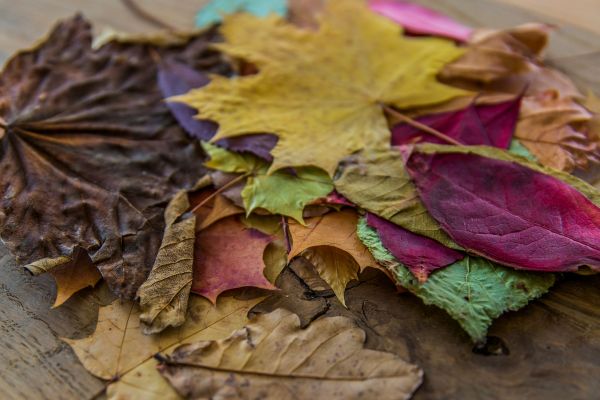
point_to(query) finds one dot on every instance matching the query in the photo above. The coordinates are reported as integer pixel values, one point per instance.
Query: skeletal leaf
(327, 359)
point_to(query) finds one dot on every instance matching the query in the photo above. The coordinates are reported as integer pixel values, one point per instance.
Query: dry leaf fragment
(91, 153)
(555, 130)
(74, 276)
(326, 360)
(340, 100)
(330, 243)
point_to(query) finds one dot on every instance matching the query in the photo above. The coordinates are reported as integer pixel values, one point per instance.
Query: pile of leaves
(322, 136)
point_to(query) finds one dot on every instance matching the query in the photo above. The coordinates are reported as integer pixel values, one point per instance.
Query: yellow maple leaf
(322, 93)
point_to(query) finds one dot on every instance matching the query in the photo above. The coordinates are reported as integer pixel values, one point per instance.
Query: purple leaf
(419, 20)
(491, 125)
(509, 213)
(175, 78)
(419, 254)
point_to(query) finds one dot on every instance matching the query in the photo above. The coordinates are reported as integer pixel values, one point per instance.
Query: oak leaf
(228, 255)
(473, 291)
(339, 100)
(118, 350)
(331, 245)
(325, 360)
(90, 152)
(492, 208)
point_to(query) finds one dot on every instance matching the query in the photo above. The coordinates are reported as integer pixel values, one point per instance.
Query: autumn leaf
(492, 208)
(74, 276)
(378, 182)
(419, 20)
(176, 78)
(164, 295)
(215, 10)
(228, 256)
(118, 349)
(473, 291)
(91, 125)
(495, 54)
(491, 125)
(305, 13)
(419, 254)
(331, 245)
(554, 129)
(325, 360)
(282, 192)
(339, 101)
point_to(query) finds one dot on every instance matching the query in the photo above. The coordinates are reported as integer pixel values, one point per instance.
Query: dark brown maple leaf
(89, 153)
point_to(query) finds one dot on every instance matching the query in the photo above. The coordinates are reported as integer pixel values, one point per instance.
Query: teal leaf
(473, 291)
(214, 11)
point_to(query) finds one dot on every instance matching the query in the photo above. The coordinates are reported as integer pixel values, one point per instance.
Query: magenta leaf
(507, 212)
(175, 78)
(419, 20)
(419, 254)
(490, 125)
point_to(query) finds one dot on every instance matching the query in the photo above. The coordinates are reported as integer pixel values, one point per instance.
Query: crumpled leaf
(90, 153)
(507, 212)
(494, 54)
(118, 349)
(420, 20)
(419, 254)
(214, 11)
(164, 295)
(282, 192)
(228, 255)
(491, 125)
(554, 129)
(474, 291)
(378, 182)
(175, 78)
(330, 243)
(339, 101)
(325, 360)
(74, 276)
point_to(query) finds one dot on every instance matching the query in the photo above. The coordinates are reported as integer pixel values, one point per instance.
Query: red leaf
(491, 125)
(419, 254)
(228, 255)
(419, 20)
(509, 213)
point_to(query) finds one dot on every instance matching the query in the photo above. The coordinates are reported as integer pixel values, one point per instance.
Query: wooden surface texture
(553, 344)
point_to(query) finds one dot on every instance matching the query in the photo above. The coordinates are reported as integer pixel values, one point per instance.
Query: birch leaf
(311, 92)
(325, 360)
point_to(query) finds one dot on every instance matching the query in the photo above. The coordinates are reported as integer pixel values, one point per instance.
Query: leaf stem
(420, 126)
(138, 11)
(220, 190)
(286, 234)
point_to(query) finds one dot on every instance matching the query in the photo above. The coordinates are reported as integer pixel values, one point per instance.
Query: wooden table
(554, 343)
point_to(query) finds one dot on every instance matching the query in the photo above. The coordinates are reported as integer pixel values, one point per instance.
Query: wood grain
(553, 344)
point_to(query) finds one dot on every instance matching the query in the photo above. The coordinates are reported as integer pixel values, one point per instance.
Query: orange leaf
(74, 276)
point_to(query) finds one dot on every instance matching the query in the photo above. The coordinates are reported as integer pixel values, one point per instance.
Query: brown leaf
(90, 153)
(74, 276)
(554, 129)
(330, 243)
(305, 13)
(493, 54)
(228, 256)
(325, 360)
(221, 207)
(164, 295)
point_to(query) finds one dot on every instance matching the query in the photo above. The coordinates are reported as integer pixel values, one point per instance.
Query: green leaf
(282, 192)
(474, 291)
(378, 182)
(214, 11)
